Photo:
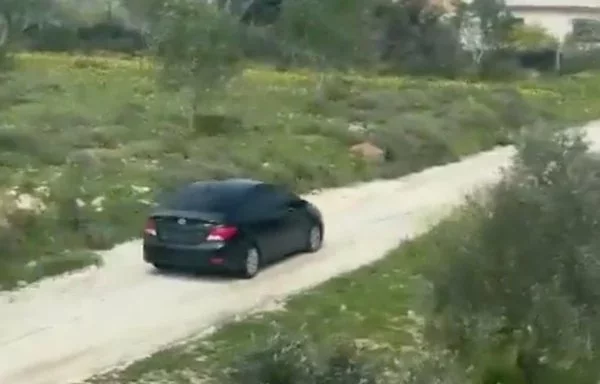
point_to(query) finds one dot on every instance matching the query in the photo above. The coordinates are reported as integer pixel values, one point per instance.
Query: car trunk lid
(184, 227)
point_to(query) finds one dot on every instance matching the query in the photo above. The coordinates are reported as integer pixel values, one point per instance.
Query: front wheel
(251, 263)
(314, 240)
(162, 267)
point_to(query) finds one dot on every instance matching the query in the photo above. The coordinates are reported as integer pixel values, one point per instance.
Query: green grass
(94, 141)
(376, 307)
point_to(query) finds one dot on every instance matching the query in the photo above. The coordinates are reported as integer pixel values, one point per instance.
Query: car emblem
(181, 221)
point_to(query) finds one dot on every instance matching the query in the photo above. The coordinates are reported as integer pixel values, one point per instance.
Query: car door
(294, 222)
(297, 222)
(264, 220)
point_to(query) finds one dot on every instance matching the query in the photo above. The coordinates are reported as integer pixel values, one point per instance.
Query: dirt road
(68, 328)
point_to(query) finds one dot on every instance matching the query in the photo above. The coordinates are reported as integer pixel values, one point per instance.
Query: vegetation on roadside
(501, 292)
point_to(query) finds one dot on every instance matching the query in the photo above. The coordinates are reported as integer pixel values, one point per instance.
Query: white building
(555, 15)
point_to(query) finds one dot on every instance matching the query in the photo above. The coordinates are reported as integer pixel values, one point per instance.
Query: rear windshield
(204, 198)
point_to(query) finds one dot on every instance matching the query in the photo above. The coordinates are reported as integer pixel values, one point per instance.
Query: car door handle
(291, 209)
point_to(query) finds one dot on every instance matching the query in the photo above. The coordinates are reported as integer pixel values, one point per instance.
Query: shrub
(521, 283)
(49, 37)
(6, 60)
(417, 40)
(430, 365)
(213, 124)
(527, 37)
(285, 359)
(288, 359)
(18, 146)
(579, 60)
(411, 142)
(25, 231)
(511, 108)
(500, 65)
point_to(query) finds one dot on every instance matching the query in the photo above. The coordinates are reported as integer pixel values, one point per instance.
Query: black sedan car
(234, 225)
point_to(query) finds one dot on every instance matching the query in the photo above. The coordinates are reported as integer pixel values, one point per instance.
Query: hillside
(102, 125)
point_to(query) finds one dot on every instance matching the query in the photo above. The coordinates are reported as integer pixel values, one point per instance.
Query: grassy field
(87, 143)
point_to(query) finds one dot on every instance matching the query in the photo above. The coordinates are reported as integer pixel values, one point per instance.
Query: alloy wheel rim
(315, 238)
(252, 262)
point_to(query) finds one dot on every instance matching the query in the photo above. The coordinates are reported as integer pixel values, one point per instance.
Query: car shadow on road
(193, 275)
(220, 277)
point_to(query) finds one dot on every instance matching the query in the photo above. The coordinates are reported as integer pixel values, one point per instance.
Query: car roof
(226, 185)
(218, 195)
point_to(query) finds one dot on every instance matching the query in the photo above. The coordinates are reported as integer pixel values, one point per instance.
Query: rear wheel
(314, 240)
(252, 263)
(161, 267)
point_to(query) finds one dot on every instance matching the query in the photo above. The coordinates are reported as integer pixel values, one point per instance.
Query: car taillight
(222, 233)
(150, 227)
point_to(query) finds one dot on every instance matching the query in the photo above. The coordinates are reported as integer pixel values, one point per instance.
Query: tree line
(199, 45)
(409, 36)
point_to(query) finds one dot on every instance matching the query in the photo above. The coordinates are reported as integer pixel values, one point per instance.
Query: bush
(23, 233)
(290, 360)
(52, 38)
(519, 287)
(579, 60)
(213, 124)
(417, 39)
(500, 65)
(531, 37)
(7, 62)
(412, 142)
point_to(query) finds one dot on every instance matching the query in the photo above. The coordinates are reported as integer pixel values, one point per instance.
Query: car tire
(314, 238)
(251, 263)
(160, 267)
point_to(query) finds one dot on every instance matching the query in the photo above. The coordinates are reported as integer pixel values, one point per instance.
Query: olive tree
(485, 29)
(144, 13)
(524, 279)
(14, 15)
(420, 38)
(333, 34)
(198, 49)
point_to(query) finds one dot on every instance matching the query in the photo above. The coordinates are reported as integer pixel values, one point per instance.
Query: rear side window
(263, 202)
(259, 203)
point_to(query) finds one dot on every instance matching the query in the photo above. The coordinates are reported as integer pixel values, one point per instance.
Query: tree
(198, 49)
(525, 278)
(532, 37)
(236, 7)
(14, 14)
(144, 13)
(327, 34)
(485, 27)
(417, 38)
